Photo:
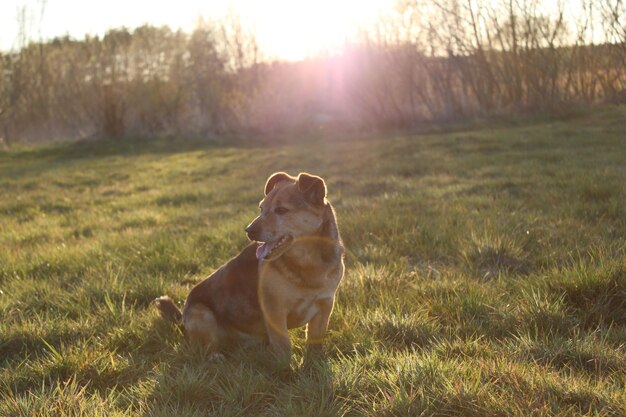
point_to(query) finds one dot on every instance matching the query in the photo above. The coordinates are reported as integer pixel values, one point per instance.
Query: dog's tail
(168, 309)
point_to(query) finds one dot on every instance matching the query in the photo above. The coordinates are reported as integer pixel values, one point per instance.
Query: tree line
(435, 60)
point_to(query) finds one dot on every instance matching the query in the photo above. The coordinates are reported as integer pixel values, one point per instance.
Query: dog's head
(292, 208)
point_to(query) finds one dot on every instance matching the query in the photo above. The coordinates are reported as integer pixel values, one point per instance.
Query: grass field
(486, 275)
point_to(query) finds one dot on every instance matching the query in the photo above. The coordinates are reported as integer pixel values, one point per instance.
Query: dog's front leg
(276, 324)
(316, 328)
(275, 316)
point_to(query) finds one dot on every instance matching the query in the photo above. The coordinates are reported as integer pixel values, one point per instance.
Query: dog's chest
(304, 309)
(312, 275)
(302, 314)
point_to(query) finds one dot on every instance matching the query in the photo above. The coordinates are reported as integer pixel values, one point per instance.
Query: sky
(287, 29)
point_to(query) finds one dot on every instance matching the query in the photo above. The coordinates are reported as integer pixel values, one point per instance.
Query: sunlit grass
(486, 275)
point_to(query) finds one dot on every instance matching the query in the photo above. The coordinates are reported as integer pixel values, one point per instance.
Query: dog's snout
(252, 231)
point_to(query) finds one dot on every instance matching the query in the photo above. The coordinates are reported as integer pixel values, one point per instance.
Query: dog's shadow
(189, 379)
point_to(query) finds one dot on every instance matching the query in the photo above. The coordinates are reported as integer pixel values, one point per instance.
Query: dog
(287, 277)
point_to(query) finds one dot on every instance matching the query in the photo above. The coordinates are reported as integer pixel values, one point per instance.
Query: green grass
(486, 275)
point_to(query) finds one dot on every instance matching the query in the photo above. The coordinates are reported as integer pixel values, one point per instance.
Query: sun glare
(293, 30)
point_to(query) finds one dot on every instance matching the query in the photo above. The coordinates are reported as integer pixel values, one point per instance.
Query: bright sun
(293, 30)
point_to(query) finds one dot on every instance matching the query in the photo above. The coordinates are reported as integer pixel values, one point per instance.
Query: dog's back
(231, 293)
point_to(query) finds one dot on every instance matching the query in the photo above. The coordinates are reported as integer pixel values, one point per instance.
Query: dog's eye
(280, 210)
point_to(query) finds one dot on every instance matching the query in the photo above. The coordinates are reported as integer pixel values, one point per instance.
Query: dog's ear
(313, 188)
(276, 178)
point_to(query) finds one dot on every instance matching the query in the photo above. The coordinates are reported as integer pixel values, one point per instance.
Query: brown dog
(286, 278)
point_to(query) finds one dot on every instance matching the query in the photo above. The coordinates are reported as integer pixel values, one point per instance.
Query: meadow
(486, 274)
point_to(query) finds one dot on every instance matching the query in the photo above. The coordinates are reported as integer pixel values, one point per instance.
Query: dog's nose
(252, 231)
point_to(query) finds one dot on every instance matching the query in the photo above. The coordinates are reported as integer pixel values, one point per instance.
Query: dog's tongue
(262, 251)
